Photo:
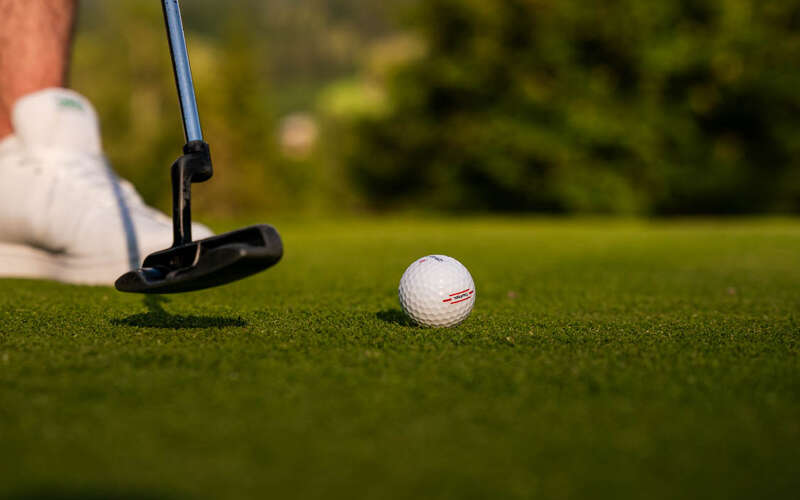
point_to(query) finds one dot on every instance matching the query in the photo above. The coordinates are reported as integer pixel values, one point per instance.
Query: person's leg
(64, 213)
(35, 38)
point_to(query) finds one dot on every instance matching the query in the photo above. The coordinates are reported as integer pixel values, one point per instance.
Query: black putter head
(206, 263)
(193, 265)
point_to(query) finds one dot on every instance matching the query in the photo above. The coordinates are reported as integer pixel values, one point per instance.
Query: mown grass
(603, 359)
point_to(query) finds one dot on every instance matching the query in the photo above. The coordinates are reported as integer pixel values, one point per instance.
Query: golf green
(603, 359)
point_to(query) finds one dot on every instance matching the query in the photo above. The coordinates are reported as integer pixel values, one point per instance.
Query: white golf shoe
(64, 213)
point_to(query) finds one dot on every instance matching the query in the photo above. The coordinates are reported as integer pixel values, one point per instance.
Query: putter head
(206, 263)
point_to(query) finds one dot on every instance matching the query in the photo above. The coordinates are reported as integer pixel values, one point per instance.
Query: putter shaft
(182, 70)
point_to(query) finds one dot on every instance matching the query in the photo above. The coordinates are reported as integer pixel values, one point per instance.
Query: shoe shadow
(395, 316)
(157, 317)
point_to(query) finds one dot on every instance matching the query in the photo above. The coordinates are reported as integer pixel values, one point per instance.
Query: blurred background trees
(460, 105)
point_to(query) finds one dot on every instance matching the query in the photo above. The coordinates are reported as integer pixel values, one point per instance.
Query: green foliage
(254, 62)
(621, 106)
(515, 105)
(603, 360)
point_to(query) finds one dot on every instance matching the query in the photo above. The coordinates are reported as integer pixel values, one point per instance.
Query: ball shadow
(395, 316)
(157, 317)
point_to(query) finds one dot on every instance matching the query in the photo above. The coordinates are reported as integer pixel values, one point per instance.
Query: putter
(194, 265)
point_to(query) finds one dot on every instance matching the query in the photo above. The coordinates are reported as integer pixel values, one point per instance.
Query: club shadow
(394, 316)
(157, 317)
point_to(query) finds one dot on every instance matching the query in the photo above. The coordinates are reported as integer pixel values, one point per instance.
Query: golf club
(194, 265)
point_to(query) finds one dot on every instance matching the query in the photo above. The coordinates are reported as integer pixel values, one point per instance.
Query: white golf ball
(437, 291)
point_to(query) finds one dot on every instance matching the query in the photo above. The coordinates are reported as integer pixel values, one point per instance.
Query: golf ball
(437, 291)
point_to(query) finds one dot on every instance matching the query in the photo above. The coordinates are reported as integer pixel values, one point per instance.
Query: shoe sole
(23, 261)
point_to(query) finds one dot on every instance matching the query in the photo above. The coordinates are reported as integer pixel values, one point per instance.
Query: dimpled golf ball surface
(437, 291)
